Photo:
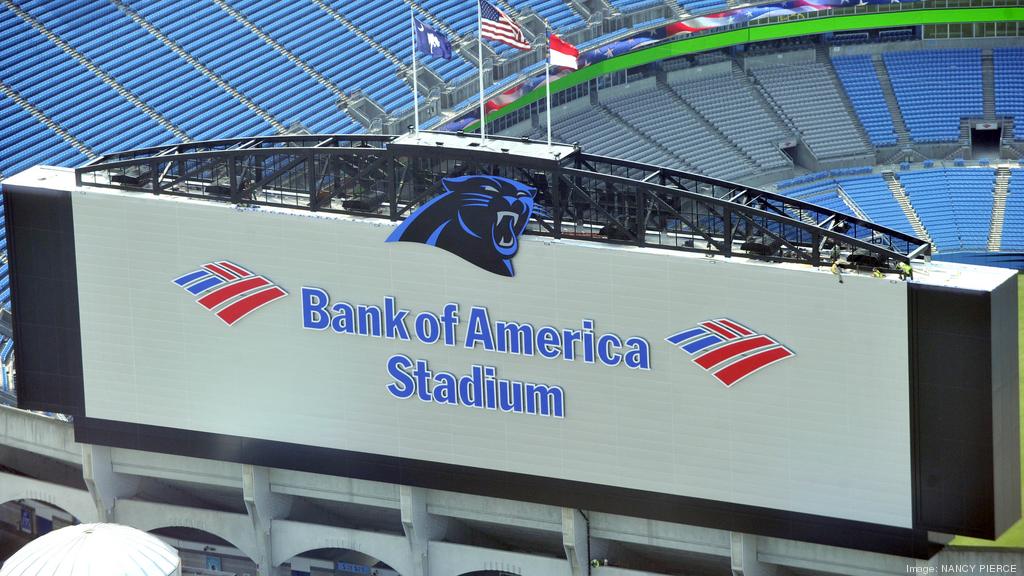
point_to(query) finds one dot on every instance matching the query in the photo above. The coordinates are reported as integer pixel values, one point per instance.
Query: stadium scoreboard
(766, 398)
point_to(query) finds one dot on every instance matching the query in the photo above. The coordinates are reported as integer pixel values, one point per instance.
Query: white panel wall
(825, 432)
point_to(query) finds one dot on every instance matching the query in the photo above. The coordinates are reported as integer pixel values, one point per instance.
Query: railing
(579, 196)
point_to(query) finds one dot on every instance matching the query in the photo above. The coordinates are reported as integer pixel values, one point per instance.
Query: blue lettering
(394, 324)
(422, 375)
(479, 329)
(450, 319)
(510, 397)
(588, 341)
(342, 323)
(471, 388)
(446, 390)
(548, 342)
(489, 388)
(428, 329)
(605, 345)
(545, 400)
(369, 320)
(640, 355)
(403, 386)
(569, 339)
(514, 338)
(314, 308)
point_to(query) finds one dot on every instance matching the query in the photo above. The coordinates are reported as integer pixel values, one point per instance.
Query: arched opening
(205, 553)
(338, 562)
(22, 521)
(488, 573)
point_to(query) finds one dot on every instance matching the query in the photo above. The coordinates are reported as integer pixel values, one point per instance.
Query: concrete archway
(236, 529)
(75, 502)
(295, 538)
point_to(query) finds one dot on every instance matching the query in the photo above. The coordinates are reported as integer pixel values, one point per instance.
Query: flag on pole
(561, 53)
(495, 25)
(430, 41)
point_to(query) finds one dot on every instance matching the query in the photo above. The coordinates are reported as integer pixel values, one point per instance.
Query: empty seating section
(69, 94)
(1013, 220)
(251, 66)
(382, 19)
(557, 13)
(935, 89)
(607, 136)
(860, 80)
(809, 98)
(741, 117)
(331, 48)
(143, 64)
(25, 142)
(873, 197)
(704, 6)
(661, 118)
(1008, 69)
(955, 206)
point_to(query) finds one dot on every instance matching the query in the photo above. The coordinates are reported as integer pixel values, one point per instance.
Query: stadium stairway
(822, 55)
(213, 76)
(102, 75)
(900, 194)
(898, 124)
(47, 121)
(988, 82)
(999, 192)
(363, 35)
(252, 27)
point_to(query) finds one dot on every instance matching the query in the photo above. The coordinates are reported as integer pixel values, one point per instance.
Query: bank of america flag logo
(228, 290)
(729, 350)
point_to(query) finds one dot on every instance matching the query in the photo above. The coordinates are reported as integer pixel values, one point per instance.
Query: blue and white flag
(430, 41)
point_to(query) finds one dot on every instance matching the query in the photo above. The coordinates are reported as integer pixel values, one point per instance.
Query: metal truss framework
(580, 196)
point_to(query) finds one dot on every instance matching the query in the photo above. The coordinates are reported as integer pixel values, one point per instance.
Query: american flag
(495, 25)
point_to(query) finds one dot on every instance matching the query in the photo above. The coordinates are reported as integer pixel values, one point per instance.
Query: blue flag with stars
(430, 41)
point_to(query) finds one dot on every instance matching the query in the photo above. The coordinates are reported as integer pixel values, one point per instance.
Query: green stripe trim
(760, 33)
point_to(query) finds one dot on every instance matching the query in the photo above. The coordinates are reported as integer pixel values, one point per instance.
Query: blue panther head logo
(478, 218)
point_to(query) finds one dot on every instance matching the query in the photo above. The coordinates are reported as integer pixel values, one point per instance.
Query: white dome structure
(94, 550)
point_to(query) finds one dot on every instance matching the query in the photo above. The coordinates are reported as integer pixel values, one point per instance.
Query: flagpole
(415, 83)
(480, 61)
(547, 84)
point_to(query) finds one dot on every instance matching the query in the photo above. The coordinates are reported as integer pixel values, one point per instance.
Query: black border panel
(508, 485)
(952, 432)
(44, 299)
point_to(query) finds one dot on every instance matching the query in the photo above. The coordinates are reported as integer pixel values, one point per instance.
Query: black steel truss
(580, 196)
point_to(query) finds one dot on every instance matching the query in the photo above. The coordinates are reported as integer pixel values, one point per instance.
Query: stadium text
(481, 387)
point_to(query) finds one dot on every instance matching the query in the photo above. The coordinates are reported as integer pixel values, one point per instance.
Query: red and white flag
(561, 53)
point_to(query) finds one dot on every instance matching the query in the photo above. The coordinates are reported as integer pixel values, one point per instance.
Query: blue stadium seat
(859, 79)
(1013, 221)
(69, 94)
(1008, 71)
(143, 64)
(331, 48)
(955, 206)
(935, 89)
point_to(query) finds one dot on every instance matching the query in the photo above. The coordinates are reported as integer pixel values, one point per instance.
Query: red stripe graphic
(739, 328)
(219, 271)
(723, 353)
(719, 330)
(242, 272)
(738, 370)
(221, 295)
(237, 310)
